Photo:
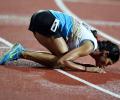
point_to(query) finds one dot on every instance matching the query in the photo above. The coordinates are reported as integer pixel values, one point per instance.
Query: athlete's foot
(13, 54)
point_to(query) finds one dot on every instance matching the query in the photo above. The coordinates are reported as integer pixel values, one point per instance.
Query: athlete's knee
(62, 61)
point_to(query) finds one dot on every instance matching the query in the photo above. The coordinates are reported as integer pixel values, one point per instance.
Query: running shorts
(44, 23)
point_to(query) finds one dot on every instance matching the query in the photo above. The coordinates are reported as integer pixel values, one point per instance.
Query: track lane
(12, 32)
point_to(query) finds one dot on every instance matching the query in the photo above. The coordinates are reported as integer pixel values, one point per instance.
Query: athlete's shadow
(84, 65)
(27, 66)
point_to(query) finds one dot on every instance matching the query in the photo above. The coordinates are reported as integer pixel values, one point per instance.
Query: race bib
(55, 25)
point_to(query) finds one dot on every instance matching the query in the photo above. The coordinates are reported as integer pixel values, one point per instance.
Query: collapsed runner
(66, 39)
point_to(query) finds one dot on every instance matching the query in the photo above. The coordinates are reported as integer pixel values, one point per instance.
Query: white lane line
(4, 47)
(6, 42)
(24, 20)
(102, 23)
(63, 7)
(70, 75)
(107, 2)
(88, 83)
(14, 20)
(74, 77)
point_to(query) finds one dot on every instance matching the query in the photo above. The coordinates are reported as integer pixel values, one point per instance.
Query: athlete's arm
(82, 67)
(85, 49)
(68, 59)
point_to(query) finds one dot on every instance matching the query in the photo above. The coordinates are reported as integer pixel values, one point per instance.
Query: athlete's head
(109, 53)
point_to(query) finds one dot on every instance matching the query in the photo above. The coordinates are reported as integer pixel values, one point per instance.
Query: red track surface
(26, 83)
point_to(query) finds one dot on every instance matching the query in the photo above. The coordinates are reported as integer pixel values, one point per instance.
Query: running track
(24, 80)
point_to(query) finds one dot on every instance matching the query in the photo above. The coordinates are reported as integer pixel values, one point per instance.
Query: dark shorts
(44, 23)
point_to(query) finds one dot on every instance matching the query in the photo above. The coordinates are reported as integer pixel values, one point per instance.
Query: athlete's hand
(96, 69)
(101, 70)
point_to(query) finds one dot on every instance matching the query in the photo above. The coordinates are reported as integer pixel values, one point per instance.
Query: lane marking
(6, 42)
(24, 20)
(14, 20)
(68, 74)
(64, 8)
(107, 2)
(75, 77)
(88, 83)
(4, 47)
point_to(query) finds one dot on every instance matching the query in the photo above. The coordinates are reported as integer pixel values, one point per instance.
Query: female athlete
(66, 39)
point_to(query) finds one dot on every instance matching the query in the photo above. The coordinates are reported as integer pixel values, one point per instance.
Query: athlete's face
(102, 59)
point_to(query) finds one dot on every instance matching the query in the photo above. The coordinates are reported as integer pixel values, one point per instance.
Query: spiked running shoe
(13, 54)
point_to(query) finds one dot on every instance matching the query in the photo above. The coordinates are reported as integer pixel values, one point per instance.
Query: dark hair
(94, 33)
(114, 51)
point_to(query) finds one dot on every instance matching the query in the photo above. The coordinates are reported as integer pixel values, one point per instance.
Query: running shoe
(13, 54)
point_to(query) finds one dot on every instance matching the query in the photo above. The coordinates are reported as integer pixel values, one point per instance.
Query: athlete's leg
(60, 45)
(40, 25)
(56, 46)
(42, 57)
(18, 51)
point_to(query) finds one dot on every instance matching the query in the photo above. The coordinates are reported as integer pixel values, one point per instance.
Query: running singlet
(66, 23)
(80, 34)
(74, 32)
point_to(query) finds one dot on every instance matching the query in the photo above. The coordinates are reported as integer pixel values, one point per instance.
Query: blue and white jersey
(66, 23)
(79, 35)
(74, 32)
